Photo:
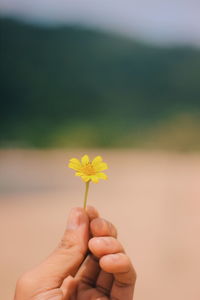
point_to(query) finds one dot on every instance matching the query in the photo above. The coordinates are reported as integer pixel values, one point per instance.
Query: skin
(88, 264)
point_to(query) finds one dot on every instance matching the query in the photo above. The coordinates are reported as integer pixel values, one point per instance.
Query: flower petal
(100, 167)
(79, 174)
(75, 160)
(85, 160)
(74, 166)
(97, 160)
(94, 178)
(102, 176)
(85, 178)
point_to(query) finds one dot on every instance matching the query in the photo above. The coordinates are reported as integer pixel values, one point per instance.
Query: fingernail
(76, 218)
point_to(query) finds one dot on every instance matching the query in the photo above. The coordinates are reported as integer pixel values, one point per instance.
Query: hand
(72, 273)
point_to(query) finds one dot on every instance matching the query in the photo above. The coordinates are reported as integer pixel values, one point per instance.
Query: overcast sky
(163, 21)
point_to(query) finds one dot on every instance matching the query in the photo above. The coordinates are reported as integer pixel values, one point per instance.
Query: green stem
(86, 194)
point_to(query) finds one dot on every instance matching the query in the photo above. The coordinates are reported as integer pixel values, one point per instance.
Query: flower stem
(86, 194)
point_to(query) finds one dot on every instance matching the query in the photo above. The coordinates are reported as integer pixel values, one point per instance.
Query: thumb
(72, 249)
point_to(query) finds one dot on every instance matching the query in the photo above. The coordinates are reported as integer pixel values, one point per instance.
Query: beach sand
(153, 198)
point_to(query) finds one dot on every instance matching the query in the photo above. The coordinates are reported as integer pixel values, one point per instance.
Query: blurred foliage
(69, 86)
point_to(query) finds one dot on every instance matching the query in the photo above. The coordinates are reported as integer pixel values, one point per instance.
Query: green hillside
(69, 86)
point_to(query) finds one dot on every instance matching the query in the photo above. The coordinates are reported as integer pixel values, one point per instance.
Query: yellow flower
(89, 171)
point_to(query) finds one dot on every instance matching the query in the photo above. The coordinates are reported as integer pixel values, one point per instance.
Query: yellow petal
(85, 160)
(100, 167)
(75, 160)
(79, 174)
(102, 176)
(85, 178)
(94, 178)
(96, 160)
(74, 166)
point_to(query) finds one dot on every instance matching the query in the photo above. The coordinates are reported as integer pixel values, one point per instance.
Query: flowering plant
(89, 171)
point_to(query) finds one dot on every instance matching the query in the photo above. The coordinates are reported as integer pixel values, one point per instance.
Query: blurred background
(118, 79)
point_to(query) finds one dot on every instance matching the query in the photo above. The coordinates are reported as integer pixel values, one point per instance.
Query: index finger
(92, 212)
(101, 227)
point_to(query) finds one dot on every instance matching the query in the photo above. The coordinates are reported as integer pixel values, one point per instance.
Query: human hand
(71, 272)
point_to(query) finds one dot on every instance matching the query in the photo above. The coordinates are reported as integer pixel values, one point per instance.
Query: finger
(88, 273)
(70, 253)
(124, 275)
(100, 246)
(101, 227)
(92, 212)
(104, 282)
(69, 287)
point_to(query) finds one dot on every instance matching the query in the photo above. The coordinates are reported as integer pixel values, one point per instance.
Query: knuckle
(122, 284)
(103, 290)
(66, 243)
(70, 248)
(69, 240)
(88, 281)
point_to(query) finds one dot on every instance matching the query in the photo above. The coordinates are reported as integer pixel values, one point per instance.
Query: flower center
(88, 169)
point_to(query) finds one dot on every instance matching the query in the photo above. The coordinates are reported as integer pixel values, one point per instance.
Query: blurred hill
(71, 86)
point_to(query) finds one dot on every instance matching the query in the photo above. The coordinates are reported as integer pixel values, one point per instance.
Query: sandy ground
(152, 198)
